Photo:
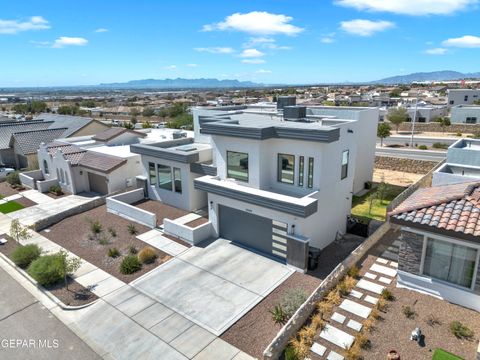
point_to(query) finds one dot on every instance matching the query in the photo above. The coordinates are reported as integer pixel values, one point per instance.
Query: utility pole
(413, 121)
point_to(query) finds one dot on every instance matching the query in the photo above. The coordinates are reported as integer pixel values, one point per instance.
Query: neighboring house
(426, 114)
(462, 164)
(274, 178)
(440, 242)
(463, 96)
(118, 136)
(462, 114)
(76, 125)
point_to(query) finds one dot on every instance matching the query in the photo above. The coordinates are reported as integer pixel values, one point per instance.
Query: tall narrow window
(345, 155)
(177, 178)
(152, 173)
(164, 177)
(286, 168)
(310, 173)
(237, 165)
(301, 170)
(45, 167)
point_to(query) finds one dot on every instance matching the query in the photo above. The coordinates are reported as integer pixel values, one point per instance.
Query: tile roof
(101, 162)
(72, 123)
(29, 141)
(113, 132)
(453, 208)
(6, 130)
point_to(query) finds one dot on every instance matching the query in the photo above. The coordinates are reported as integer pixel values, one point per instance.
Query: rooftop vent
(283, 101)
(294, 113)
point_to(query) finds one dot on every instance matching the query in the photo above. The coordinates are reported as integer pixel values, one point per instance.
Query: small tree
(397, 116)
(371, 199)
(70, 265)
(18, 231)
(383, 131)
(443, 122)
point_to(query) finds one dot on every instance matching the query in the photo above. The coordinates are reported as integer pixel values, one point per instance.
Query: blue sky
(57, 43)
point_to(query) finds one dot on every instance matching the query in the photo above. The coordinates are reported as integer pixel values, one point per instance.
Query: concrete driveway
(213, 286)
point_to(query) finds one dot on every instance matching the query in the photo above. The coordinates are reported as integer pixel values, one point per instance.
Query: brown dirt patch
(197, 222)
(55, 196)
(7, 190)
(393, 177)
(254, 331)
(163, 211)
(25, 202)
(74, 234)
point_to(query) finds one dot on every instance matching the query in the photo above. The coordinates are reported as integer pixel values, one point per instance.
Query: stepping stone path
(382, 271)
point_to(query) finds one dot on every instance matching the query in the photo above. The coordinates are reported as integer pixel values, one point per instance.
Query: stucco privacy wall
(192, 235)
(29, 178)
(120, 205)
(276, 347)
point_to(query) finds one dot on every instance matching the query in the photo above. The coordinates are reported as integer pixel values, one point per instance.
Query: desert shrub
(132, 229)
(458, 134)
(13, 178)
(432, 320)
(318, 322)
(387, 295)
(408, 312)
(368, 325)
(130, 264)
(96, 227)
(291, 301)
(354, 272)
(307, 333)
(300, 348)
(423, 147)
(147, 255)
(112, 232)
(113, 252)
(381, 304)
(290, 353)
(278, 315)
(334, 297)
(55, 189)
(132, 250)
(324, 308)
(375, 314)
(48, 269)
(362, 341)
(103, 240)
(24, 255)
(439, 145)
(461, 331)
(354, 353)
(346, 285)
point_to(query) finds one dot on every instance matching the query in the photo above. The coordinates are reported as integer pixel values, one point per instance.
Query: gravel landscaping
(197, 222)
(7, 190)
(74, 234)
(161, 210)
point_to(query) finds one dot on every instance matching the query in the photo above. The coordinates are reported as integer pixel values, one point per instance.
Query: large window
(177, 176)
(450, 262)
(164, 177)
(286, 168)
(471, 120)
(310, 173)
(237, 165)
(345, 155)
(45, 167)
(301, 170)
(152, 174)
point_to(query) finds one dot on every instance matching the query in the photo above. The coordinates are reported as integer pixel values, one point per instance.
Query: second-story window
(237, 165)
(152, 174)
(286, 168)
(164, 177)
(310, 173)
(177, 176)
(345, 155)
(301, 170)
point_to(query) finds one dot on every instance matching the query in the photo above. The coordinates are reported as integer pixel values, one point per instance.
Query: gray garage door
(98, 183)
(252, 231)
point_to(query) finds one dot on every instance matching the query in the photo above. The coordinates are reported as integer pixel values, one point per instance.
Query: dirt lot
(7, 190)
(161, 210)
(399, 178)
(74, 234)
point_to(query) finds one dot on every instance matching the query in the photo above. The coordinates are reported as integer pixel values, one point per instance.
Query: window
(62, 176)
(164, 177)
(452, 102)
(237, 165)
(310, 173)
(450, 262)
(286, 168)
(471, 120)
(152, 173)
(344, 164)
(177, 177)
(301, 170)
(465, 98)
(45, 167)
(422, 119)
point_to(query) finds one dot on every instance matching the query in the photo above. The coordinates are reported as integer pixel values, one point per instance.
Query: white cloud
(410, 7)
(253, 61)
(263, 71)
(63, 41)
(170, 67)
(264, 43)
(467, 41)
(257, 23)
(192, 65)
(328, 38)
(215, 50)
(436, 51)
(365, 27)
(101, 30)
(251, 53)
(41, 44)
(14, 26)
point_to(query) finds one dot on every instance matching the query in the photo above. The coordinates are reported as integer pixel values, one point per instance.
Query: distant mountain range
(180, 83)
(427, 76)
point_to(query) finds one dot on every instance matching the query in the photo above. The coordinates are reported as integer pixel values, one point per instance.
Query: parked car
(4, 171)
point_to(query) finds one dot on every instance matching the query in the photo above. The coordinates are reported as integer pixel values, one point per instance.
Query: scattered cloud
(467, 41)
(14, 26)
(436, 51)
(215, 50)
(263, 71)
(410, 7)
(253, 61)
(257, 23)
(170, 67)
(63, 41)
(251, 53)
(101, 30)
(192, 65)
(41, 44)
(362, 27)
(328, 38)
(265, 43)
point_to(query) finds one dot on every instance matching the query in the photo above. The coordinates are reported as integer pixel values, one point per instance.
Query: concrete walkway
(36, 196)
(156, 239)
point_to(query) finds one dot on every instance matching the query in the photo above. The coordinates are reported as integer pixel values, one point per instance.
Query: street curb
(6, 264)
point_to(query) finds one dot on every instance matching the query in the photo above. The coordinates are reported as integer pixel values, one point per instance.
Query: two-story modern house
(276, 178)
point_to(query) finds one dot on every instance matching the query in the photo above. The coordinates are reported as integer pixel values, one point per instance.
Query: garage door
(253, 231)
(98, 183)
